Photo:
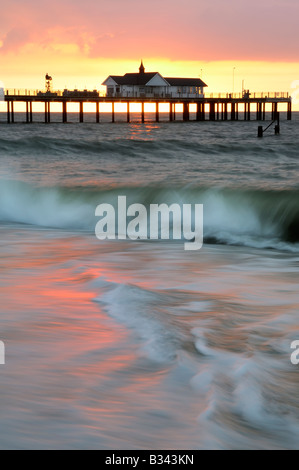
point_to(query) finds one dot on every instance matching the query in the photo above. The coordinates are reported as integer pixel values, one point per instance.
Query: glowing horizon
(80, 44)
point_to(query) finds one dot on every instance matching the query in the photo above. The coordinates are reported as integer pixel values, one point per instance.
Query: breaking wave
(257, 218)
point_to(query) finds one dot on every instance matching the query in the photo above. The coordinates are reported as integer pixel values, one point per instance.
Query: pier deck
(211, 107)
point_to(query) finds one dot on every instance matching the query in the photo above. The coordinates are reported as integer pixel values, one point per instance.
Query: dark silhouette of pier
(213, 107)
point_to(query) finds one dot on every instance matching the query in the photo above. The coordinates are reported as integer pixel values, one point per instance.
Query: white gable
(109, 81)
(157, 80)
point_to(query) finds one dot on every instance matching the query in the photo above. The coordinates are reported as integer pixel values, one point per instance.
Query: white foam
(45, 207)
(135, 308)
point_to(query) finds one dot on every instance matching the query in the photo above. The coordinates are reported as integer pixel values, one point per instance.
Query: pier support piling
(128, 111)
(212, 112)
(200, 112)
(97, 112)
(258, 111)
(157, 111)
(170, 112)
(64, 112)
(12, 111)
(47, 112)
(185, 111)
(289, 112)
(212, 108)
(274, 111)
(246, 111)
(233, 112)
(8, 112)
(225, 111)
(113, 112)
(81, 118)
(27, 112)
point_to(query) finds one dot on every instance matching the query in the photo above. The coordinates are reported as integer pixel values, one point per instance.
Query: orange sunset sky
(80, 43)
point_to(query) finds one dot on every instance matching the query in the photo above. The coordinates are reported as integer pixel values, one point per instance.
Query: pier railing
(81, 93)
(59, 93)
(258, 95)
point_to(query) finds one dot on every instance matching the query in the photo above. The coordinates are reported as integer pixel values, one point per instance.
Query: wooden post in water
(277, 126)
(289, 112)
(225, 111)
(273, 112)
(142, 111)
(27, 112)
(212, 112)
(170, 112)
(12, 112)
(157, 111)
(97, 112)
(203, 115)
(185, 111)
(64, 112)
(233, 112)
(113, 112)
(199, 112)
(30, 112)
(128, 111)
(81, 117)
(8, 112)
(276, 112)
(260, 131)
(47, 112)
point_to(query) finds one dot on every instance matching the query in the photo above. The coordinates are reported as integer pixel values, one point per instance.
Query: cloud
(190, 30)
(15, 38)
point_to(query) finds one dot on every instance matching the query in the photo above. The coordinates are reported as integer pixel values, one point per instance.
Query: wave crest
(232, 216)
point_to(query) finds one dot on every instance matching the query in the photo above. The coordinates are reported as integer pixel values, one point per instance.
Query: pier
(212, 107)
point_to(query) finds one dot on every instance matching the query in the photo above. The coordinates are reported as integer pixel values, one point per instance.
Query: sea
(142, 344)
